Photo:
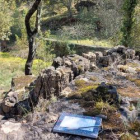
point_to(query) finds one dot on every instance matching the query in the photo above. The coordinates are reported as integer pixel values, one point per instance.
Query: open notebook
(78, 125)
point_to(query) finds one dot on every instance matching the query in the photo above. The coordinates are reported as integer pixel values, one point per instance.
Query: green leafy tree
(6, 20)
(68, 4)
(18, 28)
(136, 28)
(129, 9)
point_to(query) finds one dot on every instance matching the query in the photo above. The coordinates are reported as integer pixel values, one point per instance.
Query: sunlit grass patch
(93, 42)
(86, 42)
(14, 66)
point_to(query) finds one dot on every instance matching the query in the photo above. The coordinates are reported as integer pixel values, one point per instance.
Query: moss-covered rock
(82, 92)
(80, 83)
(22, 82)
(22, 85)
(135, 126)
(108, 93)
(89, 96)
(74, 95)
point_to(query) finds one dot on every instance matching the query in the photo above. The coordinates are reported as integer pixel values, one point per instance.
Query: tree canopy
(6, 20)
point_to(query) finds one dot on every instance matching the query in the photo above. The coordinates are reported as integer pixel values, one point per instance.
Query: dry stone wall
(53, 80)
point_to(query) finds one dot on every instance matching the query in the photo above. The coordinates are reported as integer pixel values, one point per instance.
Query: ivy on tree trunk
(32, 34)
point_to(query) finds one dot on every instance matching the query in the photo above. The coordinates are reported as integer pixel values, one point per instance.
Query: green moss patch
(135, 127)
(101, 108)
(80, 83)
(89, 97)
(82, 91)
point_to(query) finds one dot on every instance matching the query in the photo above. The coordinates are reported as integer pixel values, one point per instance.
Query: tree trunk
(31, 55)
(32, 34)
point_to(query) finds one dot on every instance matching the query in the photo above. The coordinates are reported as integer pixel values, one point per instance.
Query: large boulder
(138, 55)
(76, 63)
(98, 55)
(118, 54)
(105, 61)
(108, 93)
(51, 82)
(110, 51)
(126, 69)
(20, 82)
(20, 89)
(130, 54)
(22, 85)
(90, 56)
(93, 66)
(115, 57)
(121, 49)
(9, 102)
(9, 127)
(57, 62)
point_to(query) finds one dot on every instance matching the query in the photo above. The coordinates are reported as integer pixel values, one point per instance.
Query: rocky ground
(105, 84)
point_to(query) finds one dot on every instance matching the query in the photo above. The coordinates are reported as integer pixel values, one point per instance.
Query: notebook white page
(75, 123)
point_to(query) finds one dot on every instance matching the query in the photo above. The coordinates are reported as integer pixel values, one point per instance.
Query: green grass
(88, 42)
(14, 66)
(94, 42)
